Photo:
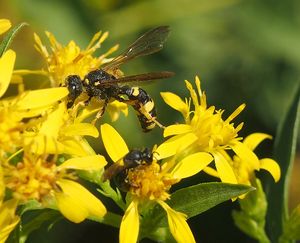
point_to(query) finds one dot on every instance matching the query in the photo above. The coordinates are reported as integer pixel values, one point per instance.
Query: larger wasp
(106, 83)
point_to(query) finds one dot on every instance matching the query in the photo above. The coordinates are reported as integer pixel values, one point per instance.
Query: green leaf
(9, 37)
(49, 216)
(285, 147)
(191, 201)
(292, 226)
(197, 199)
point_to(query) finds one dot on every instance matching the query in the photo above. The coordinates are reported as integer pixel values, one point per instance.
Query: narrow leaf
(9, 37)
(197, 199)
(292, 226)
(284, 153)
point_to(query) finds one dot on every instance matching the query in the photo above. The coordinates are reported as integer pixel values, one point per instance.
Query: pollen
(149, 182)
(31, 178)
(10, 129)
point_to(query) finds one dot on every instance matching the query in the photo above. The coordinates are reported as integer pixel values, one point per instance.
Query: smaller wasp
(106, 83)
(119, 170)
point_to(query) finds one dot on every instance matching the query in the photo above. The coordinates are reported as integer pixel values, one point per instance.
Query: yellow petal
(129, 229)
(175, 144)
(114, 108)
(23, 72)
(193, 93)
(177, 129)
(210, 171)
(8, 219)
(81, 129)
(114, 144)
(71, 209)
(54, 122)
(178, 225)
(191, 165)
(236, 113)
(175, 102)
(94, 162)
(4, 25)
(74, 147)
(42, 97)
(246, 155)
(255, 139)
(7, 62)
(224, 169)
(76, 203)
(271, 166)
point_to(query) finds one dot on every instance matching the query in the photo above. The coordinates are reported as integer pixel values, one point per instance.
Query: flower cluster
(35, 131)
(206, 131)
(44, 153)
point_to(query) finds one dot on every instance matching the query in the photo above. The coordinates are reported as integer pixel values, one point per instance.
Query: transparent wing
(140, 77)
(150, 42)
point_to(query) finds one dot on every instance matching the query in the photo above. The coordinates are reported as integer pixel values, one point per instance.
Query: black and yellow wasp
(119, 170)
(106, 84)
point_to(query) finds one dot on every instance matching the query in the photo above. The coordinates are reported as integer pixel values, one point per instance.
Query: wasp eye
(74, 85)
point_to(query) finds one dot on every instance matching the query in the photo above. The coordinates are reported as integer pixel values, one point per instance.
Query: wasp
(107, 84)
(119, 170)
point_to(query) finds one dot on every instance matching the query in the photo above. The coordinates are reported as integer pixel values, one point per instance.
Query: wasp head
(74, 85)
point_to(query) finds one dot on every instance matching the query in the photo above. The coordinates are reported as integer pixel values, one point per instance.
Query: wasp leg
(151, 118)
(143, 112)
(100, 112)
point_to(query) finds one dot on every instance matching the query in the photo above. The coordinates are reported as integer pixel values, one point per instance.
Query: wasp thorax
(148, 182)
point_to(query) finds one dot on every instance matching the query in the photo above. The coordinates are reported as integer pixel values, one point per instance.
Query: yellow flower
(39, 177)
(245, 173)
(26, 105)
(151, 183)
(205, 131)
(4, 25)
(63, 61)
(8, 219)
(60, 133)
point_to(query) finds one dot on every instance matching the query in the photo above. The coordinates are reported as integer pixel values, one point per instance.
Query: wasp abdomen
(144, 106)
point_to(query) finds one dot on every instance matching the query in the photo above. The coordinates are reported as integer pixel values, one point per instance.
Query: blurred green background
(243, 51)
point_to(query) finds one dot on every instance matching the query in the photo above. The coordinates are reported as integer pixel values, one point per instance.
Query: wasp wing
(112, 171)
(151, 42)
(140, 77)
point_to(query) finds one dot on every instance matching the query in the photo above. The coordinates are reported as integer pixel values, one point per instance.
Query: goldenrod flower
(4, 25)
(245, 173)
(63, 61)
(8, 219)
(26, 105)
(60, 133)
(13, 128)
(205, 131)
(38, 177)
(150, 184)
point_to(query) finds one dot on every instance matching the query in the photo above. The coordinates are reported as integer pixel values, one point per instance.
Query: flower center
(148, 182)
(32, 178)
(212, 131)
